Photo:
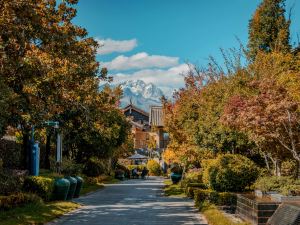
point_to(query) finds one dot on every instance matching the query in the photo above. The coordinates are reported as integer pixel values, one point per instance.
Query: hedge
(18, 199)
(214, 197)
(9, 183)
(190, 187)
(41, 186)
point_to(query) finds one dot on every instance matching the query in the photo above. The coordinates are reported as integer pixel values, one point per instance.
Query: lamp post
(58, 157)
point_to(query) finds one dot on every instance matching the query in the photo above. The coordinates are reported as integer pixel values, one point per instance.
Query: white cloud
(166, 79)
(141, 61)
(108, 46)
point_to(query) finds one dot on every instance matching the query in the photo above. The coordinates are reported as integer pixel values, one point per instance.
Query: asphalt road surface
(133, 202)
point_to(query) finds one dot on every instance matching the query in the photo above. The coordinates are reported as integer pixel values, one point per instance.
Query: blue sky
(152, 39)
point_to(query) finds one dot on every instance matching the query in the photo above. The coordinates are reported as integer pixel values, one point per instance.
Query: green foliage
(214, 197)
(193, 176)
(70, 168)
(138, 167)
(94, 167)
(5, 95)
(289, 168)
(191, 187)
(269, 29)
(283, 185)
(154, 167)
(9, 183)
(18, 199)
(230, 173)
(10, 153)
(36, 213)
(41, 186)
(171, 189)
(176, 168)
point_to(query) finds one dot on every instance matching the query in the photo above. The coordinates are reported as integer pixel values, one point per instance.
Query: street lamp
(55, 125)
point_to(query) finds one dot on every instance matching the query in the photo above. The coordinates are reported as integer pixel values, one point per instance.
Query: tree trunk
(48, 151)
(267, 162)
(297, 175)
(26, 159)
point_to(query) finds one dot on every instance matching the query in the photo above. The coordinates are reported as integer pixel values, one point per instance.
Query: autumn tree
(269, 28)
(270, 114)
(50, 65)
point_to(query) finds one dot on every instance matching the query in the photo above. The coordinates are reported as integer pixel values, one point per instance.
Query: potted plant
(176, 173)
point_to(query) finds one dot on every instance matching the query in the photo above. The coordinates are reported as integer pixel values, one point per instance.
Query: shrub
(154, 167)
(70, 168)
(94, 167)
(289, 168)
(138, 167)
(194, 176)
(217, 198)
(9, 184)
(190, 187)
(119, 174)
(230, 173)
(10, 153)
(283, 185)
(191, 177)
(18, 199)
(41, 186)
(125, 170)
(176, 168)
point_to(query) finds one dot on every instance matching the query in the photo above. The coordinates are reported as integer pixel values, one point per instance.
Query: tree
(269, 29)
(5, 98)
(151, 145)
(270, 114)
(50, 65)
(193, 120)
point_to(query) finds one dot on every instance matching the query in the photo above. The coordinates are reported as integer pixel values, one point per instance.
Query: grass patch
(88, 187)
(32, 214)
(215, 217)
(173, 189)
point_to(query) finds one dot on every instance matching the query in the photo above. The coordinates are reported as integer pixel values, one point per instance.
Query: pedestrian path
(133, 202)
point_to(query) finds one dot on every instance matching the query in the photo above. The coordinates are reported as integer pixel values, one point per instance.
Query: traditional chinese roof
(133, 107)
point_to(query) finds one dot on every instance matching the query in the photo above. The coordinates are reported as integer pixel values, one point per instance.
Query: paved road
(133, 202)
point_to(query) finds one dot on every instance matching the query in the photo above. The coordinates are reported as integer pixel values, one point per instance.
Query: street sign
(54, 124)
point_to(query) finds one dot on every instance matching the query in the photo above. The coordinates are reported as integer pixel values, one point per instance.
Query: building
(139, 121)
(156, 123)
(147, 127)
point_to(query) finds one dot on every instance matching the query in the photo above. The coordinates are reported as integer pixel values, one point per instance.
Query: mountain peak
(142, 94)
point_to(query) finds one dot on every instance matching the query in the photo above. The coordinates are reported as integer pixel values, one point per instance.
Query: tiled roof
(133, 107)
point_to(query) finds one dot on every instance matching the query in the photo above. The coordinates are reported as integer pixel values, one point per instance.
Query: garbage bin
(73, 184)
(61, 189)
(78, 186)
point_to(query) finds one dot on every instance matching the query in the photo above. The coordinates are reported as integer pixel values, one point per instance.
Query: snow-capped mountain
(141, 94)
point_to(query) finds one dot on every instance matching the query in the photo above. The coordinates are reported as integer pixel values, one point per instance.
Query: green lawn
(215, 217)
(45, 212)
(36, 213)
(173, 189)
